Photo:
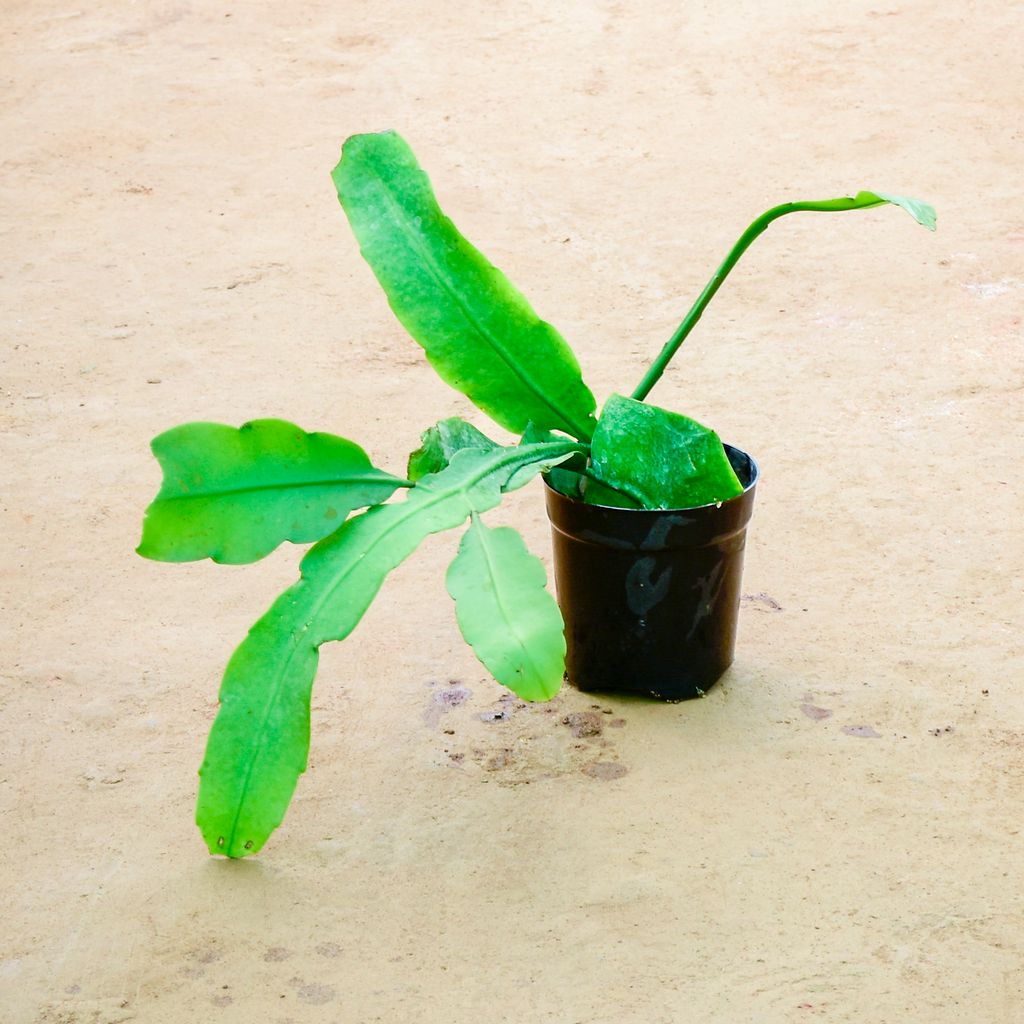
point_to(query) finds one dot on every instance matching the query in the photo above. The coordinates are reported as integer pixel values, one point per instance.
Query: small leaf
(259, 742)
(234, 495)
(479, 332)
(922, 212)
(440, 442)
(566, 481)
(660, 458)
(505, 613)
(596, 493)
(539, 435)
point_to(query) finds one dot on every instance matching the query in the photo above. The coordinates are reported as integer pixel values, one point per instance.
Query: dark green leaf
(478, 331)
(596, 493)
(660, 458)
(505, 613)
(234, 494)
(259, 741)
(566, 481)
(440, 442)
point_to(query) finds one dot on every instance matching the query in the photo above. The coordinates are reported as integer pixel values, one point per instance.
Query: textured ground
(833, 834)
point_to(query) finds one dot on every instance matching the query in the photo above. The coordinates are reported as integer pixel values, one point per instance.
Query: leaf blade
(505, 612)
(924, 213)
(478, 331)
(660, 458)
(234, 494)
(439, 443)
(248, 775)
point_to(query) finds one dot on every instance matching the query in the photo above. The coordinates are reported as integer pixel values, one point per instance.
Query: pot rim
(755, 474)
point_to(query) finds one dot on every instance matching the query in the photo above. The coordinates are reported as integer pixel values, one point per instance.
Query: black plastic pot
(651, 599)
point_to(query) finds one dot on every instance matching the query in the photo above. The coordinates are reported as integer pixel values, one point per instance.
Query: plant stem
(657, 368)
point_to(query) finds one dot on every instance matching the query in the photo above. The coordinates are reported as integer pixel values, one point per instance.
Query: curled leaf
(439, 443)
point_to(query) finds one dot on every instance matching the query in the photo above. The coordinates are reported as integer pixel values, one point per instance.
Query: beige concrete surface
(834, 833)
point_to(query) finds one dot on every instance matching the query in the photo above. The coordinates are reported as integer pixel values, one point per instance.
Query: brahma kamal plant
(234, 494)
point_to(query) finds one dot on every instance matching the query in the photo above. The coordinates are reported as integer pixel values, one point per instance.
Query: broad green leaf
(439, 443)
(922, 212)
(660, 458)
(259, 741)
(234, 495)
(478, 331)
(505, 613)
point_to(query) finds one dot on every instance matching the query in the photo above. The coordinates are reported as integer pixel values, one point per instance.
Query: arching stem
(861, 202)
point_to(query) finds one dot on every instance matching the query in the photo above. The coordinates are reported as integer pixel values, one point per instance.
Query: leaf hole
(220, 841)
(248, 844)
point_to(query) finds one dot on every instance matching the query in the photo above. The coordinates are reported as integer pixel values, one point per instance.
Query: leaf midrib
(485, 535)
(359, 478)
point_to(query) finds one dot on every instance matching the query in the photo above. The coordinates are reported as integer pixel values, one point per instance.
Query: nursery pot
(651, 599)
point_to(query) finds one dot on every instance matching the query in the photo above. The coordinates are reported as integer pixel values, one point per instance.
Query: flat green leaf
(922, 212)
(234, 495)
(660, 458)
(440, 442)
(259, 742)
(505, 613)
(478, 331)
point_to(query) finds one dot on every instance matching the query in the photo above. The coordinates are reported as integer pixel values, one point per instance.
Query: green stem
(653, 375)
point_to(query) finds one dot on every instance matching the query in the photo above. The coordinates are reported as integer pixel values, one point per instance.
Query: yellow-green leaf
(235, 494)
(478, 331)
(505, 613)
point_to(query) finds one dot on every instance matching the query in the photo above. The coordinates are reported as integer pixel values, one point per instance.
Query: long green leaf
(259, 741)
(660, 458)
(478, 331)
(234, 495)
(505, 613)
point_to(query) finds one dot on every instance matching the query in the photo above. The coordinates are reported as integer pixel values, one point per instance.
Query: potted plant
(648, 507)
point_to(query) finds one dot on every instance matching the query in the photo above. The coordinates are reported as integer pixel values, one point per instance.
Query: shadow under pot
(651, 599)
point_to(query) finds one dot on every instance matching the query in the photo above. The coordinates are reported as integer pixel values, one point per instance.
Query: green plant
(233, 495)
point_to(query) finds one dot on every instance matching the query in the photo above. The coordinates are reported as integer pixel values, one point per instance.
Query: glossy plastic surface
(651, 599)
